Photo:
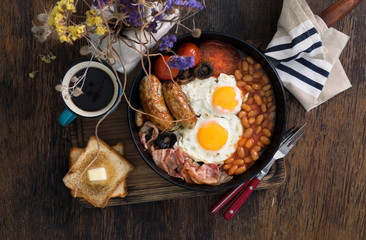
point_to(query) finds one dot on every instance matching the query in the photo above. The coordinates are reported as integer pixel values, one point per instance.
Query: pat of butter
(97, 174)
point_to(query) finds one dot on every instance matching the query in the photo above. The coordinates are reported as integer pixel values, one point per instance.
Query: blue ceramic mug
(100, 91)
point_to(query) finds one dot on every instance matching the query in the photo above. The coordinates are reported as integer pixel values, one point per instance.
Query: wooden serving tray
(144, 185)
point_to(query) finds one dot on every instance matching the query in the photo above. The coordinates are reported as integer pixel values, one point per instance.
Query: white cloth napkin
(308, 53)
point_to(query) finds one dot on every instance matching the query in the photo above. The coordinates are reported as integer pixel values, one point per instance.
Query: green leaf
(32, 74)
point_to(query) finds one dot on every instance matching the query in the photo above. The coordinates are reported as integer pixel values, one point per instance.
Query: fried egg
(218, 129)
(225, 97)
(214, 96)
(212, 140)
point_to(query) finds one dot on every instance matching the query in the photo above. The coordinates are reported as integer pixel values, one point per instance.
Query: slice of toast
(117, 168)
(121, 191)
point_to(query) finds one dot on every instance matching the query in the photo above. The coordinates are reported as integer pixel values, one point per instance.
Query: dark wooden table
(323, 196)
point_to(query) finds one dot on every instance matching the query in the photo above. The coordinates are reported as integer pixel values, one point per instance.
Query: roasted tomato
(222, 57)
(161, 69)
(189, 49)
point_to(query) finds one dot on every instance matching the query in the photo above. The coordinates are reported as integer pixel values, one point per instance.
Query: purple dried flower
(189, 3)
(131, 7)
(179, 2)
(168, 4)
(171, 3)
(102, 3)
(152, 27)
(155, 12)
(181, 62)
(194, 4)
(167, 42)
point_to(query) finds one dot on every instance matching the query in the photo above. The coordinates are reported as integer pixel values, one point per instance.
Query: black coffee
(97, 90)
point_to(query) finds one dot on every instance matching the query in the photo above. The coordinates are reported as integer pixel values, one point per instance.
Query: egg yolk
(212, 136)
(224, 99)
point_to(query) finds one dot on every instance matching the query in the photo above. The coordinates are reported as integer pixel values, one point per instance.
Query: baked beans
(257, 116)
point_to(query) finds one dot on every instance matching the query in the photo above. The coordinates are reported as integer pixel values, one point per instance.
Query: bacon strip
(224, 177)
(176, 162)
(206, 174)
(144, 133)
(169, 159)
(185, 170)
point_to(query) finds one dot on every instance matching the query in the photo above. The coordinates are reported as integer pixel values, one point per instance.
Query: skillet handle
(338, 10)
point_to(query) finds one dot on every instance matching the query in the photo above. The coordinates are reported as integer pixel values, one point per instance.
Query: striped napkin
(307, 53)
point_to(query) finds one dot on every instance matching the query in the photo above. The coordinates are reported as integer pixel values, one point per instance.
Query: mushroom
(203, 70)
(186, 77)
(166, 140)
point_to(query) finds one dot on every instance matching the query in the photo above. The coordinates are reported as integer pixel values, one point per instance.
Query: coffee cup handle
(66, 117)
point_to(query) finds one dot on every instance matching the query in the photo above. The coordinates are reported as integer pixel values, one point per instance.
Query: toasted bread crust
(117, 167)
(121, 190)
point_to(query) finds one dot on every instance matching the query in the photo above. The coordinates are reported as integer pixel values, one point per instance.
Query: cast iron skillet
(279, 125)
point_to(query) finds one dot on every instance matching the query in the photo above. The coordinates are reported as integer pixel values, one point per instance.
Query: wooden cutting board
(144, 185)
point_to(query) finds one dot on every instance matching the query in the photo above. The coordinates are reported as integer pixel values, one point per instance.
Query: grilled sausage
(153, 103)
(178, 104)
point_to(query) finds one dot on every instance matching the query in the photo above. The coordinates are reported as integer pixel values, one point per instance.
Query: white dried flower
(54, 36)
(43, 37)
(84, 50)
(37, 29)
(77, 92)
(42, 32)
(74, 79)
(196, 33)
(43, 17)
(47, 31)
(59, 87)
(67, 96)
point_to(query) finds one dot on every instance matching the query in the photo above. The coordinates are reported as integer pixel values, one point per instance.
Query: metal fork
(232, 193)
(289, 142)
(286, 145)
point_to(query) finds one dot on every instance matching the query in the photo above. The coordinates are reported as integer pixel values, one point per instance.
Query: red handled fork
(232, 193)
(287, 144)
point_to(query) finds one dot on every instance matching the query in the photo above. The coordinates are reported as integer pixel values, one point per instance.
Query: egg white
(196, 92)
(199, 94)
(188, 139)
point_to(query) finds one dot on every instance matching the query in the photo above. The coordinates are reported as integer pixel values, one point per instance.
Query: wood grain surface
(323, 196)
